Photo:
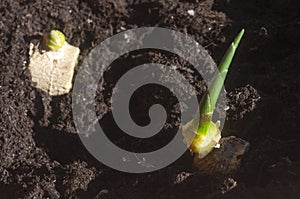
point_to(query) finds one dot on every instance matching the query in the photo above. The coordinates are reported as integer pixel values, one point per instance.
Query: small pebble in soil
(182, 177)
(191, 12)
(228, 185)
(89, 21)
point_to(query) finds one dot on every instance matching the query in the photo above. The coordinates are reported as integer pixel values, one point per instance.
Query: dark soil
(42, 157)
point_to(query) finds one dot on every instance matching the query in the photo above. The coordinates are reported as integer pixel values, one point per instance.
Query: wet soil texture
(42, 157)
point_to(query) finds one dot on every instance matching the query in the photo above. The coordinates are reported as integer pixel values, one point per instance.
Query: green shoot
(54, 40)
(208, 133)
(215, 89)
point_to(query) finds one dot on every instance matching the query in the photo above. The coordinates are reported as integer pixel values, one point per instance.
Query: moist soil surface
(41, 156)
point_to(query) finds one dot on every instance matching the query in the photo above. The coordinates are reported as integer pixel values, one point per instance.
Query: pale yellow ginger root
(53, 70)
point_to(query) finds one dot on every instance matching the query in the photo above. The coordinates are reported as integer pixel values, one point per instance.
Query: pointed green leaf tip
(208, 101)
(238, 38)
